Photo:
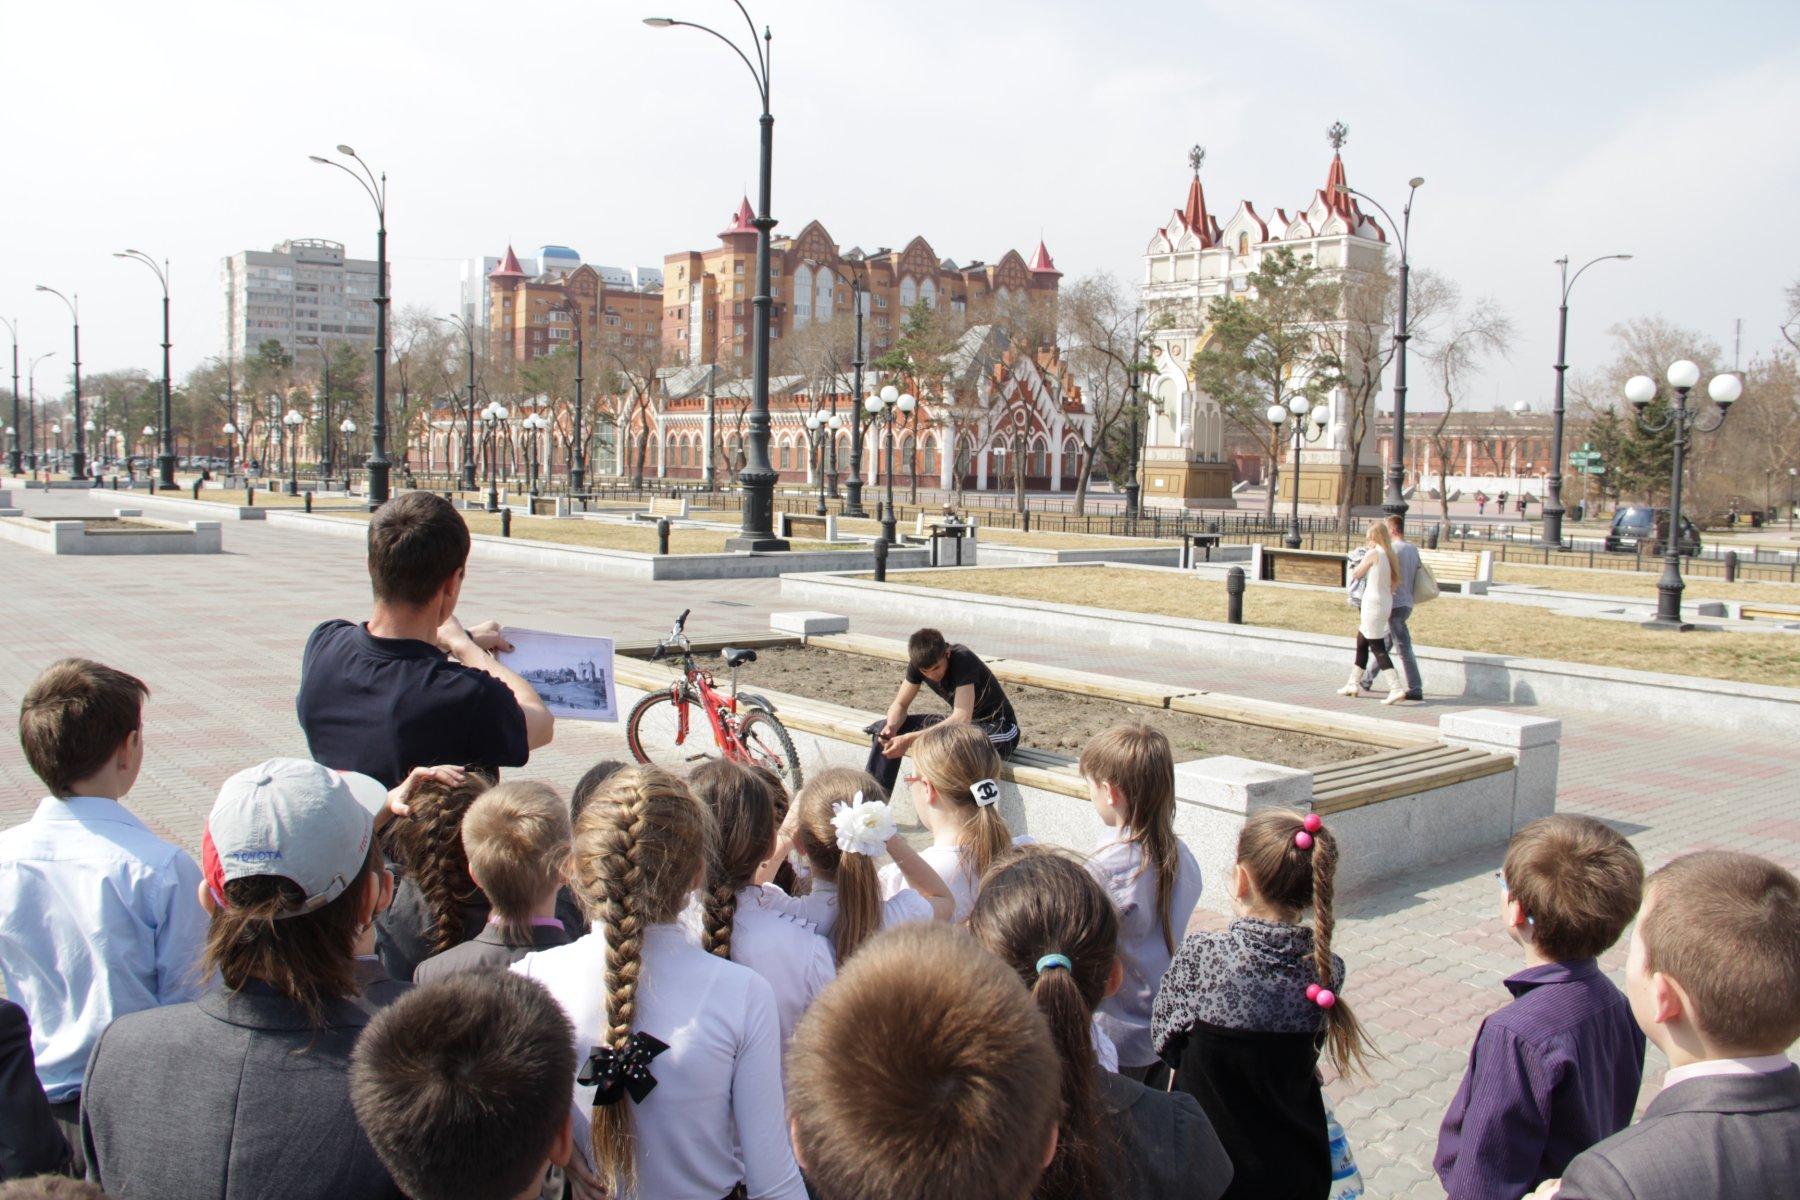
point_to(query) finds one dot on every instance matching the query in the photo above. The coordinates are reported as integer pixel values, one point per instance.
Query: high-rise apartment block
(303, 293)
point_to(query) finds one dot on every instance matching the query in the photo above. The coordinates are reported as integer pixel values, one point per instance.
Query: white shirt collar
(86, 808)
(1763, 1064)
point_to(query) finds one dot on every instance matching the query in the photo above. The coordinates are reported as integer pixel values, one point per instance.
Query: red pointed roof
(740, 220)
(1193, 213)
(1041, 262)
(509, 267)
(1338, 202)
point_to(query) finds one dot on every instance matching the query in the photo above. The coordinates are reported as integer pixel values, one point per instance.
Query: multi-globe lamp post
(1641, 390)
(822, 426)
(229, 429)
(883, 405)
(149, 436)
(1305, 430)
(491, 419)
(292, 421)
(534, 425)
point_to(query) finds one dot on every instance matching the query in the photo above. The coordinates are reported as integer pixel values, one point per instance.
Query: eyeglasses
(1506, 892)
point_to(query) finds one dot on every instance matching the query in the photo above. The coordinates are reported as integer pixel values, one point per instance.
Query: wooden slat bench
(1272, 714)
(1756, 612)
(1086, 683)
(1304, 566)
(1360, 781)
(673, 507)
(1467, 571)
(825, 527)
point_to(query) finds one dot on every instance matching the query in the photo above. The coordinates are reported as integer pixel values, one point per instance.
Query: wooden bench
(1754, 612)
(825, 526)
(1280, 565)
(675, 508)
(1402, 772)
(549, 506)
(1468, 571)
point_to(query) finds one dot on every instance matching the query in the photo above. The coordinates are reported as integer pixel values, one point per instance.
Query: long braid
(429, 848)
(1346, 1041)
(718, 911)
(743, 801)
(623, 912)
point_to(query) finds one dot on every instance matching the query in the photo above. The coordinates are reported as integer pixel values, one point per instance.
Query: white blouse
(1130, 880)
(718, 1085)
(954, 867)
(820, 906)
(791, 954)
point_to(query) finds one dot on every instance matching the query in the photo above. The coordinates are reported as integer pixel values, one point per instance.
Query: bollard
(1234, 595)
(1027, 521)
(881, 551)
(196, 489)
(662, 535)
(249, 496)
(306, 501)
(506, 522)
(1431, 536)
(1731, 561)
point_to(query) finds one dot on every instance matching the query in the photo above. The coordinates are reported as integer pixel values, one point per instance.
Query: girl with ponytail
(739, 914)
(1044, 916)
(956, 792)
(1243, 1015)
(839, 823)
(680, 1049)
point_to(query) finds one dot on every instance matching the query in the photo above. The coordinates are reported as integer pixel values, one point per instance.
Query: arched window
(928, 293)
(803, 295)
(1071, 461)
(928, 455)
(1243, 244)
(909, 292)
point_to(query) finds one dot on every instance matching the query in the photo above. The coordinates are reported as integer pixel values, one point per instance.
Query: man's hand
(451, 634)
(487, 635)
(895, 747)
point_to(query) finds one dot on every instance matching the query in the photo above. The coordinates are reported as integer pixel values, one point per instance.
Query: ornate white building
(1193, 259)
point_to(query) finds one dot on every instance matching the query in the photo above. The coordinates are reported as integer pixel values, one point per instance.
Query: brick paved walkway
(218, 638)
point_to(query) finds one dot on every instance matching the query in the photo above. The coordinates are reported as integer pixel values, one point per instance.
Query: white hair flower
(863, 826)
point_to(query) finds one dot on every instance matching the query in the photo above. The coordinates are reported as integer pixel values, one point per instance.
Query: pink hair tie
(1324, 997)
(1309, 826)
(1303, 840)
(1313, 823)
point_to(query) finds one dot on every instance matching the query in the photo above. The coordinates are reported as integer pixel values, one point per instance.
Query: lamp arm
(1700, 426)
(1568, 287)
(373, 198)
(751, 25)
(762, 89)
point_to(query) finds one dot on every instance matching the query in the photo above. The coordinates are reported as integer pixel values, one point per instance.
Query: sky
(1662, 130)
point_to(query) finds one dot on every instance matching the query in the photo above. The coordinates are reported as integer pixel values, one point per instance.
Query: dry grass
(1012, 537)
(605, 536)
(1642, 584)
(1451, 622)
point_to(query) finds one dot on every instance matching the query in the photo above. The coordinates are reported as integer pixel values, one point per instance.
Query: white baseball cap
(295, 819)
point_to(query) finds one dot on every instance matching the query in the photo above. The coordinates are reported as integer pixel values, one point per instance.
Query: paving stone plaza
(218, 639)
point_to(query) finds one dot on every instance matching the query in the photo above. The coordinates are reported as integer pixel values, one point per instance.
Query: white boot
(1354, 686)
(1396, 688)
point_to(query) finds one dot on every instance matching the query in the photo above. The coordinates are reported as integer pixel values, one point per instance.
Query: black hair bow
(614, 1074)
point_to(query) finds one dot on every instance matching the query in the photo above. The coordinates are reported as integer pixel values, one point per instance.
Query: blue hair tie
(1050, 961)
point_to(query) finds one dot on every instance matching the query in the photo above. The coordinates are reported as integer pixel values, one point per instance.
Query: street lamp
(883, 405)
(377, 191)
(1641, 390)
(78, 464)
(757, 477)
(1394, 501)
(57, 431)
(149, 433)
(84, 436)
(468, 466)
(534, 423)
(12, 456)
(1553, 505)
(347, 427)
(854, 485)
(293, 420)
(824, 427)
(1304, 431)
(31, 406)
(491, 416)
(230, 432)
(165, 461)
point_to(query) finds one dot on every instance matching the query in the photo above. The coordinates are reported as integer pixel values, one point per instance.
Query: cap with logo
(294, 819)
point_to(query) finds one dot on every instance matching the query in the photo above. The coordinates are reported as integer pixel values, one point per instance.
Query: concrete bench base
(72, 537)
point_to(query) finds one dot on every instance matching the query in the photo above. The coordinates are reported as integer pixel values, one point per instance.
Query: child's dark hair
(1291, 859)
(640, 843)
(462, 1085)
(858, 884)
(926, 648)
(1138, 761)
(589, 783)
(428, 847)
(1035, 904)
(73, 718)
(953, 759)
(742, 800)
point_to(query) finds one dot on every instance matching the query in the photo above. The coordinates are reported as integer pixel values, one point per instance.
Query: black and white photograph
(574, 675)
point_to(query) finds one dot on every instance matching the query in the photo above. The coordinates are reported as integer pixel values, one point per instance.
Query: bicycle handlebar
(675, 634)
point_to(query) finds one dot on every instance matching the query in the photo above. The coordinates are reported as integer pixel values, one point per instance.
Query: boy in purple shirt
(1558, 1069)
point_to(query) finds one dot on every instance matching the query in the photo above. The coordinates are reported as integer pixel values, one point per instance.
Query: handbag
(1360, 584)
(1425, 586)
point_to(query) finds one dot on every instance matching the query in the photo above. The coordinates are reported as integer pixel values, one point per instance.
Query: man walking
(1406, 557)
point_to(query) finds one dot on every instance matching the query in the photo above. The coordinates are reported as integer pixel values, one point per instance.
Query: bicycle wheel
(670, 735)
(767, 744)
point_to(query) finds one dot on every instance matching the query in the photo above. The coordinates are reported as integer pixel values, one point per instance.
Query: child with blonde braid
(738, 915)
(1150, 875)
(956, 793)
(1044, 916)
(838, 823)
(1242, 1015)
(680, 1049)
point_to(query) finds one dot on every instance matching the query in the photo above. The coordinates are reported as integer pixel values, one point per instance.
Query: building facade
(708, 314)
(530, 316)
(1193, 259)
(477, 293)
(303, 293)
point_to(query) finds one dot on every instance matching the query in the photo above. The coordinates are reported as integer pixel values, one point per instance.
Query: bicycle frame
(696, 683)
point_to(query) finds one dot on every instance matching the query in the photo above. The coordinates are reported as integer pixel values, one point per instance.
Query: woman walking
(1380, 571)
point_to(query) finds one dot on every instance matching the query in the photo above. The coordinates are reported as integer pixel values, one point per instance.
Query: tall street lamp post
(853, 501)
(85, 436)
(468, 466)
(535, 424)
(78, 463)
(31, 441)
(1553, 505)
(230, 432)
(376, 187)
(347, 427)
(491, 417)
(757, 477)
(1394, 502)
(712, 422)
(1304, 431)
(149, 435)
(293, 420)
(1641, 390)
(165, 459)
(325, 376)
(12, 456)
(1133, 493)
(883, 405)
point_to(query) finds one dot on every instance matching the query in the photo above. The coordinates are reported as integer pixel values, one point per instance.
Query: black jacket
(30, 1141)
(1261, 1092)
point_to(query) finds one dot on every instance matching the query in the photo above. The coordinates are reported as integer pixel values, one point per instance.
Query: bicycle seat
(735, 657)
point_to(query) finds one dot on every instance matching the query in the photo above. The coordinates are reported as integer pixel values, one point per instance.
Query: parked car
(1638, 525)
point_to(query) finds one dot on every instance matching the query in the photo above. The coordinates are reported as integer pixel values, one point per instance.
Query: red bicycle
(661, 728)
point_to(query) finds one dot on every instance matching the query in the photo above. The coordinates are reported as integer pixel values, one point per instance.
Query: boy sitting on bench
(961, 680)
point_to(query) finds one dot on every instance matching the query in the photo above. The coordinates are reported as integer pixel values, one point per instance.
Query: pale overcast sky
(1660, 129)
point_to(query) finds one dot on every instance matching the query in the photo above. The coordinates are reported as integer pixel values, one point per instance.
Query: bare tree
(1468, 337)
(1104, 330)
(629, 366)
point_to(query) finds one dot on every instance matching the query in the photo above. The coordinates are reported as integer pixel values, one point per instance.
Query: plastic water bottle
(1346, 1180)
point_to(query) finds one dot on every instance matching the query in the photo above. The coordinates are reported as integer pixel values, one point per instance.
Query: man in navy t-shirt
(958, 677)
(412, 687)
